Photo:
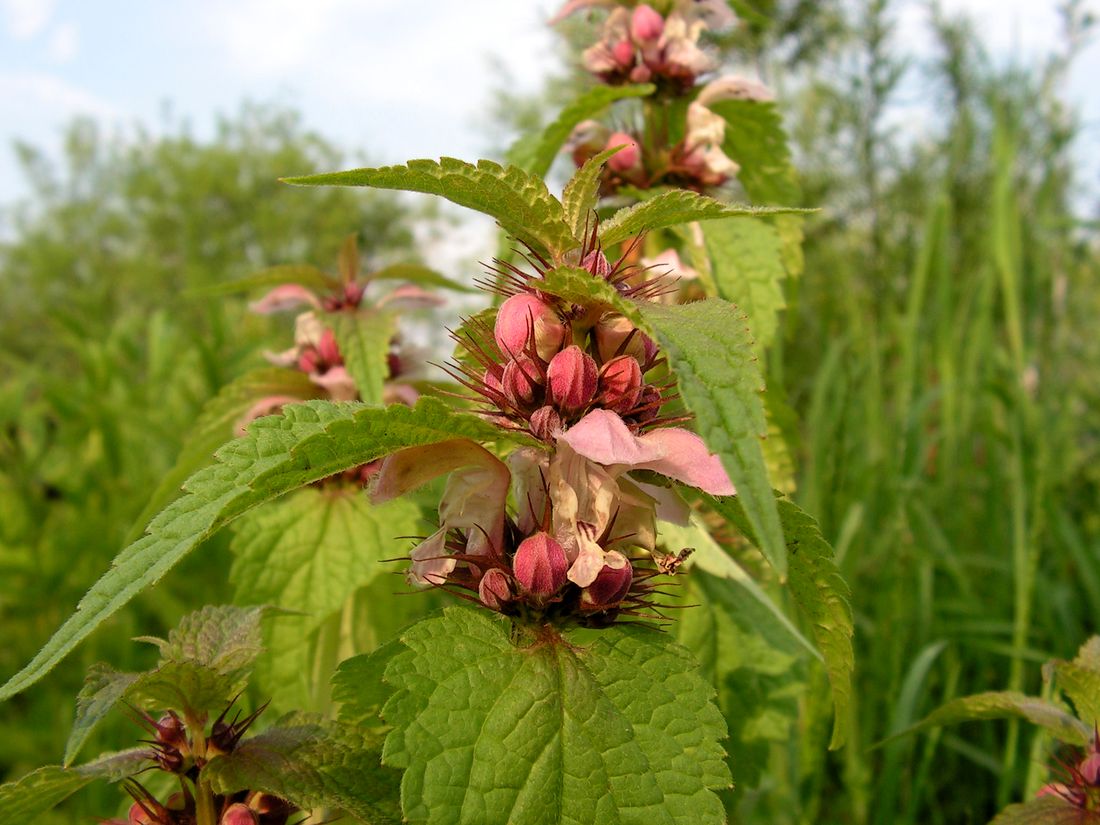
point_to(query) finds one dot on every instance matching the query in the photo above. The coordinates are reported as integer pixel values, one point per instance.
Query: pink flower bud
(646, 24)
(623, 53)
(522, 381)
(309, 361)
(545, 423)
(238, 814)
(328, 350)
(649, 404)
(523, 315)
(541, 565)
(596, 263)
(492, 378)
(493, 589)
(627, 158)
(611, 585)
(620, 384)
(1090, 768)
(616, 336)
(571, 380)
(641, 74)
(139, 816)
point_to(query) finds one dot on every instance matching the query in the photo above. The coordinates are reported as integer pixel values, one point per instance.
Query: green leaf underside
(204, 662)
(1008, 705)
(673, 208)
(1048, 810)
(22, 801)
(819, 591)
(582, 193)
(1080, 681)
(309, 442)
(747, 270)
(710, 352)
(310, 552)
(536, 156)
(518, 200)
(364, 341)
(494, 730)
(314, 765)
(216, 424)
(417, 274)
(305, 274)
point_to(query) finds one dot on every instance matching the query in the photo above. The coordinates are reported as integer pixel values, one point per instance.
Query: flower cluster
(176, 751)
(1080, 785)
(578, 541)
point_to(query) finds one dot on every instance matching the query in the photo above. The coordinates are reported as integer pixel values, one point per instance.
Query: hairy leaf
(582, 193)
(364, 341)
(1080, 681)
(307, 443)
(216, 424)
(103, 688)
(819, 591)
(518, 200)
(672, 208)
(536, 155)
(309, 553)
(495, 727)
(314, 765)
(1008, 705)
(1049, 810)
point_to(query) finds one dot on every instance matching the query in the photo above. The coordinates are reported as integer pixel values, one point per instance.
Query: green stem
(204, 804)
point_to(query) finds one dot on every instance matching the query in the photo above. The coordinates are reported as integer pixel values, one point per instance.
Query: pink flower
(645, 24)
(284, 297)
(602, 437)
(627, 159)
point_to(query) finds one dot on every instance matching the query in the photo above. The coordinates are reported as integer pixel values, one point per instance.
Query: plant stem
(204, 804)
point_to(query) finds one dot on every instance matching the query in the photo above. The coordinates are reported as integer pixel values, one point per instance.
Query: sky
(395, 78)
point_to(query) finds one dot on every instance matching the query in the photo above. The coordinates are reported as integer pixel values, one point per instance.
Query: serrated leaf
(364, 341)
(582, 193)
(1080, 681)
(1049, 810)
(215, 426)
(673, 208)
(417, 274)
(310, 552)
(309, 442)
(537, 155)
(224, 638)
(518, 200)
(305, 274)
(710, 353)
(579, 286)
(314, 765)
(747, 270)
(359, 687)
(1008, 705)
(103, 688)
(819, 591)
(494, 727)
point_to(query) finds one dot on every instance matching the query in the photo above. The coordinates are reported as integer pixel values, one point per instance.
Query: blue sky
(396, 78)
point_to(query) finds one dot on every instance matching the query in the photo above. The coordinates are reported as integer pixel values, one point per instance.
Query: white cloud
(26, 18)
(32, 97)
(64, 43)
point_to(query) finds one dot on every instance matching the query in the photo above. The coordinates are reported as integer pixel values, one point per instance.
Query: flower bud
(623, 53)
(309, 361)
(493, 589)
(545, 423)
(620, 384)
(139, 816)
(612, 330)
(627, 158)
(238, 814)
(523, 315)
(649, 404)
(571, 380)
(611, 585)
(646, 25)
(596, 263)
(170, 730)
(1090, 768)
(328, 350)
(540, 565)
(522, 381)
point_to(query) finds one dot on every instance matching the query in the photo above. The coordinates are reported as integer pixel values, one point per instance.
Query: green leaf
(493, 726)
(309, 442)
(579, 286)
(518, 200)
(310, 552)
(305, 274)
(314, 765)
(417, 274)
(746, 269)
(103, 688)
(819, 591)
(1049, 810)
(582, 193)
(710, 353)
(216, 425)
(1008, 705)
(1080, 681)
(673, 208)
(364, 341)
(755, 139)
(536, 156)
